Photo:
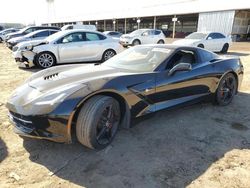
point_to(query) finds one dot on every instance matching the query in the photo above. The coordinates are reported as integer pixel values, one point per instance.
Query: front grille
(51, 77)
(22, 122)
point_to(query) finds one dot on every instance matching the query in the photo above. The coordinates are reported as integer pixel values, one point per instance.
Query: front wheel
(98, 122)
(136, 42)
(200, 46)
(45, 60)
(226, 90)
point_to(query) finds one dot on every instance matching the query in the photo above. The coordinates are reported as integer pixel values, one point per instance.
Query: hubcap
(45, 60)
(108, 55)
(227, 90)
(107, 126)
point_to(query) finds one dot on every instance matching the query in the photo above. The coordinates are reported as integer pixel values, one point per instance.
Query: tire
(226, 90)
(108, 54)
(224, 48)
(45, 60)
(200, 46)
(161, 42)
(136, 42)
(94, 129)
(1, 40)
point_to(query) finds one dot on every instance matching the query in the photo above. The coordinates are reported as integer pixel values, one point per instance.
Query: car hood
(49, 79)
(29, 43)
(16, 39)
(186, 41)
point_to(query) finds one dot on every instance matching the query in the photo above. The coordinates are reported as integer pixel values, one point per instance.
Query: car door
(183, 85)
(71, 47)
(94, 46)
(147, 37)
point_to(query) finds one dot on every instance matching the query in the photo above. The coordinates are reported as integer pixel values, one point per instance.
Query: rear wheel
(108, 54)
(136, 42)
(160, 42)
(200, 46)
(1, 40)
(45, 60)
(224, 48)
(98, 122)
(226, 90)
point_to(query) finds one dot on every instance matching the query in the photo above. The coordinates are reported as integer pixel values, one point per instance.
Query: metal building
(227, 16)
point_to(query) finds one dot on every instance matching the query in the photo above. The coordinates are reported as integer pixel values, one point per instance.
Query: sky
(38, 11)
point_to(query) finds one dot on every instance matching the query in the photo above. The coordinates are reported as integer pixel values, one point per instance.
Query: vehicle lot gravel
(197, 146)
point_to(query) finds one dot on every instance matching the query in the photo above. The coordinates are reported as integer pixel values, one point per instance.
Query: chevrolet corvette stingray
(95, 100)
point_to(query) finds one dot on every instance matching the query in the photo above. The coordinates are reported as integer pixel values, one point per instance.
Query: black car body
(38, 110)
(26, 31)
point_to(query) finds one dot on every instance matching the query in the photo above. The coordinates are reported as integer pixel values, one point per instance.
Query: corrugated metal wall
(216, 21)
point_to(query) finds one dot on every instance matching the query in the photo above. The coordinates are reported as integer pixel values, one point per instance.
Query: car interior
(182, 56)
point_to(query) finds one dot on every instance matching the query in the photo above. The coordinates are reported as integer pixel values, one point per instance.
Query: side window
(29, 30)
(70, 27)
(146, 33)
(52, 32)
(41, 34)
(157, 32)
(182, 56)
(92, 37)
(73, 37)
(218, 36)
(206, 56)
(211, 35)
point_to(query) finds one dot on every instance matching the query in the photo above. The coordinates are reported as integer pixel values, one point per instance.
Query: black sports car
(95, 99)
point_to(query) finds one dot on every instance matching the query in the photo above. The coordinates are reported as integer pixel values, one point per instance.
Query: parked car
(79, 26)
(113, 34)
(26, 31)
(213, 41)
(35, 35)
(95, 100)
(5, 32)
(71, 46)
(143, 36)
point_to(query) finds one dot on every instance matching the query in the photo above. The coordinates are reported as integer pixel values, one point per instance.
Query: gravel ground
(198, 146)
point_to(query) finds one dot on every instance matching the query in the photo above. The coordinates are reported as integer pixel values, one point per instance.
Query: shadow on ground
(168, 149)
(3, 150)
(238, 53)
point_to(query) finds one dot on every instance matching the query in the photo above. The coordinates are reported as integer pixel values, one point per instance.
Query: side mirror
(209, 38)
(180, 67)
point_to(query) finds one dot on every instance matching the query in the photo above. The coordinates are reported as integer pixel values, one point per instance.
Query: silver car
(3, 33)
(71, 46)
(36, 35)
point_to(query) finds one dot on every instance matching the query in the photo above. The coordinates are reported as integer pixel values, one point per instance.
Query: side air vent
(51, 77)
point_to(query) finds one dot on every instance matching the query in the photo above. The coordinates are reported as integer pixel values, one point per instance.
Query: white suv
(213, 41)
(143, 36)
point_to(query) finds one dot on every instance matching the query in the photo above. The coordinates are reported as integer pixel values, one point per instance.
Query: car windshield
(33, 33)
(196, 36)
(139, 58)
(54, 36)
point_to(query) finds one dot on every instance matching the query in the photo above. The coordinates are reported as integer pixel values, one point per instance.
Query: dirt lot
(198, 146)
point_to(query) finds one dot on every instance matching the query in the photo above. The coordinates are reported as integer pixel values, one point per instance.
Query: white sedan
(143, 36)
(213, 41)
(69, 46)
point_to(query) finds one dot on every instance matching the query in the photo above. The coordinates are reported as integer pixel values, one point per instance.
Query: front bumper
(41, 127)
(23, 61)
(125, 42)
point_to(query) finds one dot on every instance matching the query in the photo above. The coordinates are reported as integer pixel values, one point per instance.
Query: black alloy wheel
(226, 90)
(98, 122)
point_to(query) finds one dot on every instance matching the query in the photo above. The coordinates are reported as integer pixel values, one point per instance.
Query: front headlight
(29, 48)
